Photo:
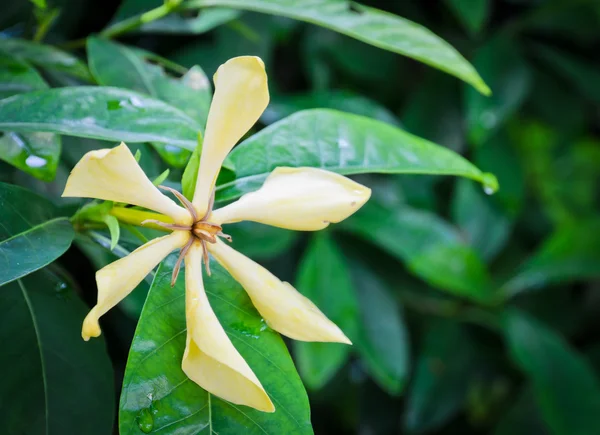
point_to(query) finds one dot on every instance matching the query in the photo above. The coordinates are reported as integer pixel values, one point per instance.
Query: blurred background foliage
(470, 313)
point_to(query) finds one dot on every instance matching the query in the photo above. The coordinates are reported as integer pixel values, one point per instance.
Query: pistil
(201, 231)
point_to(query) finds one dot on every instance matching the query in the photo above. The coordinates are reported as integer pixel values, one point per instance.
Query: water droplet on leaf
(490, 183)
(145, 420)
(35, 162)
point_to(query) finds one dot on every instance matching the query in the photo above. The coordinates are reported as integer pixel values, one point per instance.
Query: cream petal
(302, 199)
(210, 359)
(241, 96)
(119, 278)
(281, 305)
(114, 175)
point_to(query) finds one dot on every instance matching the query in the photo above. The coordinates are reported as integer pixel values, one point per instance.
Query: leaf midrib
(32, 229)
(39, 341)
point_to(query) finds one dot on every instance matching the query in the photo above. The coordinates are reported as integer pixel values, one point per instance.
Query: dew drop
(35, 162)
(145, 420)
(490, 183)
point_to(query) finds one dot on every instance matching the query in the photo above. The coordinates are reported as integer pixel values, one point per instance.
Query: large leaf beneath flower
(429, 246)
(570, 254)
(32, 234)
(157, 396)
(566, 388)
(382, 340)
(34, 153)
(324, 278)
(55, 383)
(370, 25)
(99, 112)
(47, 56)
(342, 143)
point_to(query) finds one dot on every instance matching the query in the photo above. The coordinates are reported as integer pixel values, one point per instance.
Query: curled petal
(302, 199)
(119, 278)
(210, 359)
(241, 96)
(281, 305)
(114, 175)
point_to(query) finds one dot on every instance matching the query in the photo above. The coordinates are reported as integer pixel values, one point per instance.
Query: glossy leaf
(503, 66)
(324, 278)
(570, 254)
(175, 404)
(382, 340)
(345, 101)
(472, 14)
(32, 234)
(566, 388)
(106, 113)
(204, 22)
(47, 56)
(58, 384)
(430, 247)
(34, 153)
(370, 25)
(441, 379)
(117, 65)
(342, 143)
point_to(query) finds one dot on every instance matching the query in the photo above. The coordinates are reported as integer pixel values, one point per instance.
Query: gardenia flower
(305, 199)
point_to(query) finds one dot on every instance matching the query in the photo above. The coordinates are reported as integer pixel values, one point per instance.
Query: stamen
(166, 225)
(182, 254)
(206, 258)
(225, 236)
(204, 235)
(184, 201)
(211, 204)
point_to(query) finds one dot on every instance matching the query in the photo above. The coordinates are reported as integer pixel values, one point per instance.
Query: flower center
(201, 231)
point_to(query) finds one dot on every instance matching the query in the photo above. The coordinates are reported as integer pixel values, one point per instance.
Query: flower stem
(136, 21)
(135, 217)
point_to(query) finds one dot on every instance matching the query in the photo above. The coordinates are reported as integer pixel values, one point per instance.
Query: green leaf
(115, 231)
(56, 383)
(177, 404)
(99, 112)
(34, 153)
(570, 254)
(566, 389)
(342, 143)
(114, 64)
(324, 278)
(261, 241)
(370, 25)
(430, 247)
(47, 56)
(345, 101)
(502, 64)
(441, 379)
(117, 65)
(204, 22)
(31, 235)
(190, 174)
(472, 14)
(382, 338)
